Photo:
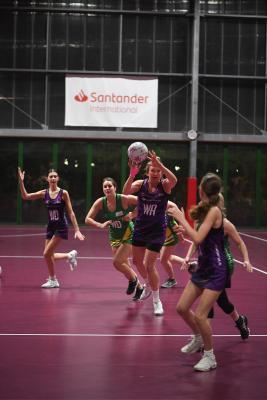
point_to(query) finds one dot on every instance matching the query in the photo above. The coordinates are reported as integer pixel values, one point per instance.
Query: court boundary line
(114, 335)
(110, 258)
(80, 257)
(253, 237)
(23, 235)
(97, 230)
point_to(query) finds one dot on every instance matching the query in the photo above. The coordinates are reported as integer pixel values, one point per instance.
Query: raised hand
(134, 168)
(21, 174)
(152, 156)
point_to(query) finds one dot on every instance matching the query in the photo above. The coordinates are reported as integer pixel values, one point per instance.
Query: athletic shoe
(132, 286)
(194, 346)
(169, 283)
(51, 283)
(73, 259)
(138, 293)
(242, 325)
(207, 363)
(146, 292)
(158, 309)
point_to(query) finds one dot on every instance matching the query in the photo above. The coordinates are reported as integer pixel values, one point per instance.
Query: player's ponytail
(211, 185)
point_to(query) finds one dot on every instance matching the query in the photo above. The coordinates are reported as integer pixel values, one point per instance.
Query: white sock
(209, 353)
(155, 295)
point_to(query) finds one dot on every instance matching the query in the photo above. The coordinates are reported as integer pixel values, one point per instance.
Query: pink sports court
(89, 340)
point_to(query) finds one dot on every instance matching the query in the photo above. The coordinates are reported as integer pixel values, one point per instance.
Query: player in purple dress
(58, 203)
(211, 277)
(150, 224)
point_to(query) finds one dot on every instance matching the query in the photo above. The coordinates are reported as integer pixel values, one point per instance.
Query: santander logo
(81, 97)
(112, 98)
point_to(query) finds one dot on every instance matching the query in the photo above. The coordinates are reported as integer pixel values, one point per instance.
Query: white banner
(111, 102)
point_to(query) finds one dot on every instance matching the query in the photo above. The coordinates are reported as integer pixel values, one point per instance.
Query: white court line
(23, 235)
(253, 237)
(80, 258)
(110, 258)
(95, 230)
(109, 335)
(36, 234)
(256, 269)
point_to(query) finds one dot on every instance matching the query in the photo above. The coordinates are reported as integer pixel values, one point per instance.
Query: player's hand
(155, 160)
(21, 174)
(179, 230)
(105, 224)
(134, 168)
(248, 266)
(176, 213)
(184, 265)
(79, 235)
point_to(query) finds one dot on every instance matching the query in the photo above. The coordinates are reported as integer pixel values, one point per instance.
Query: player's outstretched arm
(231, 231)
(92, 213)
(72, 216)
(24, 194)
(130, 185)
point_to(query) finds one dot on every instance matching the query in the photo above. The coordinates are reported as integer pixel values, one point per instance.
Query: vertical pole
(89, 175)
(258, 197)
(19, 199)
(192, 179)
(120, 40)
(225, 173)
(47, 63)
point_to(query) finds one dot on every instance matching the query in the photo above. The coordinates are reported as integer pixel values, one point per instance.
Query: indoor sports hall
(80, 81)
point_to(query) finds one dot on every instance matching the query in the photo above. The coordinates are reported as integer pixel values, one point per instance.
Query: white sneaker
(195, 345)
(158, 309)
(146, 292)
(73, 259)
(51, 283)
(207, 363)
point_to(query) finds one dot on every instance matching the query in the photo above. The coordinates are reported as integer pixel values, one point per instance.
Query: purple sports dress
(57, 219)
(150, 224)
(212, 272)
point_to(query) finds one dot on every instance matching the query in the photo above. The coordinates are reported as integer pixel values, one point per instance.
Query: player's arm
(191, 250)
(71, 214)
(92, 213)
(24, 194)
(127, 201)
(130, 185)
(199, 235)
(170, 179)
(231, 231)
(177, 228)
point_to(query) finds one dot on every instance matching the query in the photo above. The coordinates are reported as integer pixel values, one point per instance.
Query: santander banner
(111, 102)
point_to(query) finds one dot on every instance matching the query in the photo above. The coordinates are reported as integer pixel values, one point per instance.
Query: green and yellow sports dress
(120, 231)
(171, 236)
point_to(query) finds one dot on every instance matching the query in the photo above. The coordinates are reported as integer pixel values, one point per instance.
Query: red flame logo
(81, 97)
